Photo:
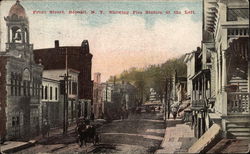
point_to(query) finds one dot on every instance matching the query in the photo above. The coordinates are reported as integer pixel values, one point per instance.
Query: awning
(212, 135)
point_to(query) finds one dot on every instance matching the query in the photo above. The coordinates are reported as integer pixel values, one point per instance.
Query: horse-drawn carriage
(86, 133)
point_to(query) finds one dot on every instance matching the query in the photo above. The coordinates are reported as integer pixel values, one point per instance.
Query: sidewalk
(14, 146)
(178, 137)
(54, 135)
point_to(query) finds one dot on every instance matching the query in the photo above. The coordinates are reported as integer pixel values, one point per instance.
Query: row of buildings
(112, 99)
(40, 86)
(214, 97)
(218, 72)
(52, 85)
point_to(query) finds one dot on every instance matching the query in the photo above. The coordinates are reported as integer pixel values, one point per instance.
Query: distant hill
(153, 76)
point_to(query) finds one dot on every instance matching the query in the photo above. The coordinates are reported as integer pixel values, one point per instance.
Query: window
(42, 91)
(24, 88)
(74, 88)
(33, 88)
(19, 87)
(46, 92)
(56, 93)
(70, 90)
(37, 89)
(15, 121)
(28, 88)
(15, 87)
(51, 91)
(12, 84)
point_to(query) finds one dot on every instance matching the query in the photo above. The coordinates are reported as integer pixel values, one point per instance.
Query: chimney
(56, 43)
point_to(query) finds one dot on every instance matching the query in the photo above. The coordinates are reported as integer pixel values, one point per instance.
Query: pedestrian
(174, 112)
(174, 109)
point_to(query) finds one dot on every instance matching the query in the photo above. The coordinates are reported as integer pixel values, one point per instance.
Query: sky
(117, 41)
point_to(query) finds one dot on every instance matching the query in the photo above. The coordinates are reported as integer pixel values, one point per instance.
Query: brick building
(74, 57)
(20, 80)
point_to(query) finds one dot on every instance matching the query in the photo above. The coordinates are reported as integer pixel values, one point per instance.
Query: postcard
(140, 76)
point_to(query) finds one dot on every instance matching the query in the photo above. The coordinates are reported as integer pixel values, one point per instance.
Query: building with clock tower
(20, 80)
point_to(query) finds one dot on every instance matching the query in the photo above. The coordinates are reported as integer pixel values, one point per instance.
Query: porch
(238, 103)
(238, 77)
(236, 115)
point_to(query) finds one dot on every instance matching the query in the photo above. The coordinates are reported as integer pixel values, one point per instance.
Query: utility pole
(165, 100)
(65, 102)
(65, 89)
(169, 95)
(106, 92)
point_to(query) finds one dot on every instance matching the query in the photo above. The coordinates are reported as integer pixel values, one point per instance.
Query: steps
(238, 129)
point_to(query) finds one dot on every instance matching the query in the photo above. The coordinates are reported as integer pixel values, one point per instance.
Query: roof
(199, 73)
(17, 9)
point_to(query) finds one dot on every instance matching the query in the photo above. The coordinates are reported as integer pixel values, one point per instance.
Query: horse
(87, 134)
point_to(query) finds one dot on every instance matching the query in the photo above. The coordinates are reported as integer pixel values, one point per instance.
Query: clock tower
(18, 44)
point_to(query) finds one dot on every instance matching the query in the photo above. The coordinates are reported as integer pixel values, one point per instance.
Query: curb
(21, 147)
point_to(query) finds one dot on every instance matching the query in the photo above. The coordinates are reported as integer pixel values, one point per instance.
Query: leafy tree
(153, 76)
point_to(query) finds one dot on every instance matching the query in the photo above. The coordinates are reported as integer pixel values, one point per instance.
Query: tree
(153, 76)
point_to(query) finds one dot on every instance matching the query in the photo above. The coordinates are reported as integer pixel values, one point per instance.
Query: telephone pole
(65, 102)
(66, 78)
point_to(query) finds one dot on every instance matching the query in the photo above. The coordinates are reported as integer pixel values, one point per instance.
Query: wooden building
(221, 84)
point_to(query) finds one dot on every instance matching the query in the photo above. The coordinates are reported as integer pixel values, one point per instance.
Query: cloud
(123, 43)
